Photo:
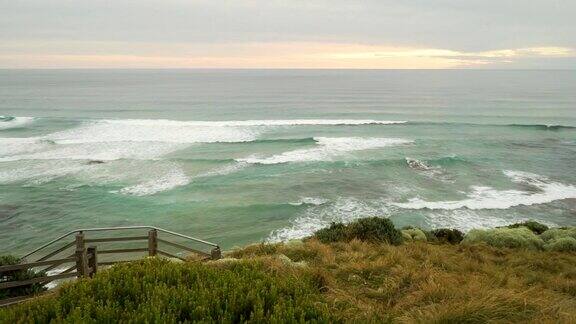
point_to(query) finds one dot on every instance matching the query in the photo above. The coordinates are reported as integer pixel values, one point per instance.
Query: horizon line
(289, 68)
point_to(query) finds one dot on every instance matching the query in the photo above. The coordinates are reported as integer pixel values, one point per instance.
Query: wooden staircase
(81, 252)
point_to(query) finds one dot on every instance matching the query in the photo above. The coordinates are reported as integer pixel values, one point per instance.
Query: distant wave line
(534, 126)
(13, 122)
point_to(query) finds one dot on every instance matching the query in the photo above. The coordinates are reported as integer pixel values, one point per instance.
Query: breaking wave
(319, 216)
(482, 197)
(327, 148)
(9, 122)
(174, 178)
(108, 131)
(543, 126)
(467, 219)
(529, 126)
(247, 123)
(314, 201)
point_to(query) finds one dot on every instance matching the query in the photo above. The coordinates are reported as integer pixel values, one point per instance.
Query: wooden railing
(60, 263)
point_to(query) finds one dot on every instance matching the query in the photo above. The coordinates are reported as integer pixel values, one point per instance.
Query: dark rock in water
(95, 162)
(416, 164)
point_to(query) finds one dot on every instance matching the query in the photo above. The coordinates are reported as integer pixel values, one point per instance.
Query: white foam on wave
(66, 152)
(466, 219)
(38, 173)
(98, 151)
(172, 131)
(342, 210)
(224, 170)
(316, 201)
(175, 178)
(483, 197)
(327, 148)
(106, 131)
(245, 123)
(119, 139)
(7, 122)
(14, 146)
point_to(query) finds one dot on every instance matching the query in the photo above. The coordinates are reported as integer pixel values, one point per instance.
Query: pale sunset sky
(372, 34)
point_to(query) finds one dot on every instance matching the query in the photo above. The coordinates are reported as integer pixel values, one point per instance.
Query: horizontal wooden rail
(122, 250)
(168, 254)
(56, 252)
(183, 247)
(46, 279)
(101, 229)
(116, 239)
(35, 264)
(85, 259)
(56, 265)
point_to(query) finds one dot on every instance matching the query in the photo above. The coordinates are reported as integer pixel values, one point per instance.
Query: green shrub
(556, 233)
(534, 226)
(18, 275)
(520, 237)
(160, 291)
(562, 244)
(373, 229)
(414, 234)
(447, 235)
(430, 237)
(337, 232)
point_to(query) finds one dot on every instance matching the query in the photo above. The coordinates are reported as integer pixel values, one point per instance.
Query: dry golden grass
(423, 282)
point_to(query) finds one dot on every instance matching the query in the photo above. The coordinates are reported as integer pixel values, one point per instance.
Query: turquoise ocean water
(239, 156)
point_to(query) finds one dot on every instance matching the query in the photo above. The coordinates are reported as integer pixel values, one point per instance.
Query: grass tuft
(414, 234)
(561, 244)
(556, 233)
(520, 237)
(534, 226)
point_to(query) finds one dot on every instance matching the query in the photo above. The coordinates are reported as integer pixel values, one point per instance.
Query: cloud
(269, 55)
(346, 33)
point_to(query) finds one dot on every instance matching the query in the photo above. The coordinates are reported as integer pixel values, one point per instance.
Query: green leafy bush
(447, 235)
(520, 237)
(336, 232)
(160, 291)
(18, 275)
(414, 234)
(534, 226)
(556, 233)
(562, 244)
(373, 229)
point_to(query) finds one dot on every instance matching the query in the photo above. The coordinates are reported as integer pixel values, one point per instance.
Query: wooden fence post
(215, 254)
(92, 260)
(81, 259)
(152, 242)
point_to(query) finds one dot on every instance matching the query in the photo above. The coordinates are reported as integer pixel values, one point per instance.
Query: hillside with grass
(366, 271)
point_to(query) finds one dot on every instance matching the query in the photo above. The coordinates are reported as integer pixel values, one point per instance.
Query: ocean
(241, 156)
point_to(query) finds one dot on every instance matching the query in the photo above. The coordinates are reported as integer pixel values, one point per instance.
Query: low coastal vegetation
(17, 275)
(365, 271)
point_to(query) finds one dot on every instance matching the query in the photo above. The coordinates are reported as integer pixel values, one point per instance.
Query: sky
(370, 34)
